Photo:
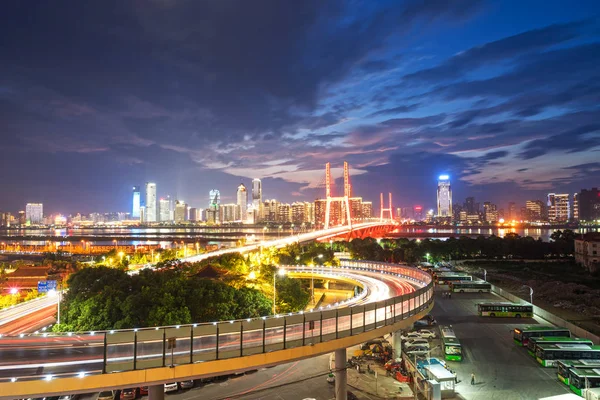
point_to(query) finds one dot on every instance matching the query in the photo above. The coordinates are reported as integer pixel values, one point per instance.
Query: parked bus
(581, 379)
(470, 286)
(522, 335)
(452, 347)
(505, 309)
(531, 346)
(447, 279)
(548, 354)
(565, 366)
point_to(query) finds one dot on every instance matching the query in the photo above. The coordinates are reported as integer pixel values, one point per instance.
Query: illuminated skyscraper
(135, 212)
(242, 202)
(559, 209)
(257, 203)
(444, 197)
(164, 210)
(150, 202)
(180, 211)
(34, 213)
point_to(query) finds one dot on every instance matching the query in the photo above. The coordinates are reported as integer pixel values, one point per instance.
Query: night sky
(98, 96)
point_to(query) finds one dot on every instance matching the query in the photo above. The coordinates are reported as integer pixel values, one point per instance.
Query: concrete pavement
(502, 369)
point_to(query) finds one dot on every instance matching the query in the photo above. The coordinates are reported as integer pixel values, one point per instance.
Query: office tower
(194, 214)
(242, 202)
(575, 210)
(150, 202)
(470, 205)
(535, 210)
(444, 197)
(229, 212)
(34, 213)
(164, 209)
(270, 210)
(256, 193)
(367, 209)
(490, 212)
(559, 209)
(512, 212)
(142, 214)
(418, 213)
(135, 211)
(180, 211)
(214, 199)
(589, 205)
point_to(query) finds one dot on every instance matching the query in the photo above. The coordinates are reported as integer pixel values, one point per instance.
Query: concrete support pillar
(397, 344)
(156, 392)
(341, 390)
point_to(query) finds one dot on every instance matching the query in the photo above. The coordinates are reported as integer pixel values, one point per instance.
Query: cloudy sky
(98, 96)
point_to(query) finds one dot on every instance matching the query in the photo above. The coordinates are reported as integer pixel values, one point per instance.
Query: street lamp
(121, 254)
(530, 294)
(115, 242)
(427, 257)
(279, 231)
(485, 275)
(281, 272)
(264, 230)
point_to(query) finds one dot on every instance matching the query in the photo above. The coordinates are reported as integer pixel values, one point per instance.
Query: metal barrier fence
(165, 346)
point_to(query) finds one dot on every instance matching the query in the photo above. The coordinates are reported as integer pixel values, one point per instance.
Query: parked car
(66, 397)
(418, 351)
(426, 333)
(128, 394)
(410, 346)
(410, 335)
(143, 390)
(171, 387)
(186, 384)
(416, 341)
(107, 395)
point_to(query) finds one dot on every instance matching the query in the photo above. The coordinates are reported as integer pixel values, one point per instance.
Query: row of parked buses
(577, 360)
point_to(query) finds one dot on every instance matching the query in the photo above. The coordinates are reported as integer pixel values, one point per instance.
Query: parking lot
(502, 369)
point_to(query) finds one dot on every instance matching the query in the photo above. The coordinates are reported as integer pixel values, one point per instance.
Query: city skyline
(405, 91)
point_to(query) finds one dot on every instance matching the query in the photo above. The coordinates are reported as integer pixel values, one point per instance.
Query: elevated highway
(39, 365)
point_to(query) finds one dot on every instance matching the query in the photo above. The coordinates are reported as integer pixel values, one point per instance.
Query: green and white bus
(446, 279)
(522, 335)
(470, 286)
(565, 366)
(452, 347)
(548, 354)
(531, 346)
(505, 309)
(581, 379)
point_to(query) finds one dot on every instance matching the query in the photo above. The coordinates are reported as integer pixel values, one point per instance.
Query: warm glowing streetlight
(115, 243)
(264, 230)
(14, 290)
(252, 275)
(121, 254)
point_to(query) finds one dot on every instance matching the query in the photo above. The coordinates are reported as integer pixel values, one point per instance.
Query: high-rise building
(257, 195)
(164, 208)
(490, 212)
(575, 210)
(512, 212)
(135, 212)
(284, 213)
(151, 202)
(229, 212)
(180, 211)
(418, 213)
(559, 209)
(589, 205)
(444, 197)
(214, 199)
(142, 213)
(367, 209)
(34, 213)
(470, 205)
(242, 202)
(270, 210)
(535, 210)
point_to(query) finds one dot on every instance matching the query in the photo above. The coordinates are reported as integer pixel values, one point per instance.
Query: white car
(426, 333)
(414, 341)
(418, 351)
(409, 346)
(411, 335)
(171, 387)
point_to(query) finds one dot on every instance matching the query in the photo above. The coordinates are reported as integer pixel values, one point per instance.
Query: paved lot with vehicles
(502, 369)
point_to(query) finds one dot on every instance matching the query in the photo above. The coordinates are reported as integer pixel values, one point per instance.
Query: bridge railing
(166, 346)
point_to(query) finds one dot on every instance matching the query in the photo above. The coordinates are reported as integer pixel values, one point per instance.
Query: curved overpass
(157, 355)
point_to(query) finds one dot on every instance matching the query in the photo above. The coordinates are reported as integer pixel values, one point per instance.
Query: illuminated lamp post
(115, 243)
(264, 230)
